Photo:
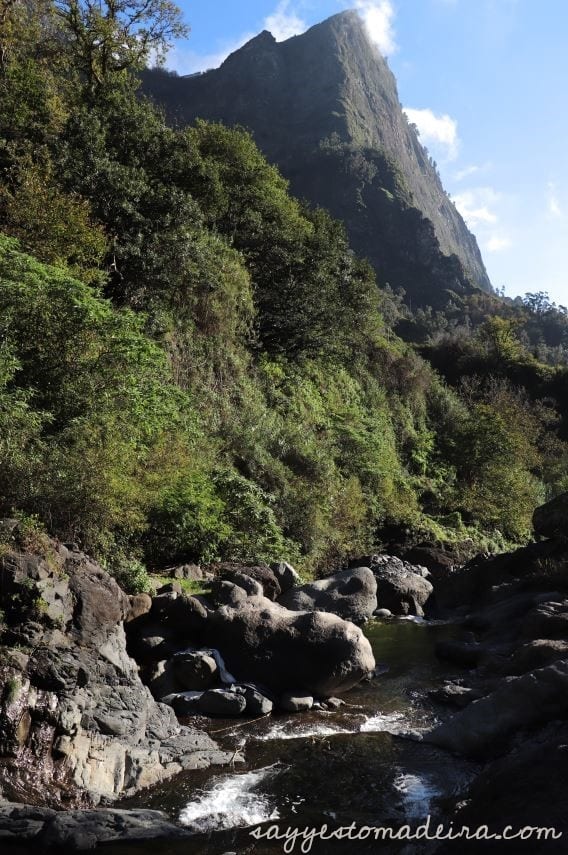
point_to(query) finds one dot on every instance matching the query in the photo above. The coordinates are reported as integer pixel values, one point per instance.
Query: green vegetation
(194, 365)
(188, 586)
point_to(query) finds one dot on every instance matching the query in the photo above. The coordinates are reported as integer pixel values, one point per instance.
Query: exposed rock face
(78, 830)
(551, 519)
(348, 148)
(519, 788)
(76, 722)
(521, 702)
(517, 694)
(313, 652)
(351, 594)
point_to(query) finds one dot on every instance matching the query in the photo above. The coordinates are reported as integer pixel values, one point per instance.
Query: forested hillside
(194, 365)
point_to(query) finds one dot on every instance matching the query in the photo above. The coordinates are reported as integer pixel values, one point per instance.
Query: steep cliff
(324, 107)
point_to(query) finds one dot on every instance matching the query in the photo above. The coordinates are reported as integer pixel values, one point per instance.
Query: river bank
(460, 715)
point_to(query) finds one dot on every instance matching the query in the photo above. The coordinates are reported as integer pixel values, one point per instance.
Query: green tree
(108, 37)
(104, 416)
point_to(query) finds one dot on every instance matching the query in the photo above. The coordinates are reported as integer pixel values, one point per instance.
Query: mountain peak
(263, 38)
(324, 107)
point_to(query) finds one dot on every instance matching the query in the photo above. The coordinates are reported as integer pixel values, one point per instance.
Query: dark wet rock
(161, 679)
(256, 702)
(195, 670)
(439, 562)
(182, 615)
(291, 702)
(456, 695)
(539, 652)
(184, 703)
(221, 702)
(150, 641)
(501, 618)
(488, 724)
(351, 594)
(286, 575)
(463, 653)
(547, 620)
(486, 580)
(551, 519)
(518, 790)
(79, 830)
(314, 651)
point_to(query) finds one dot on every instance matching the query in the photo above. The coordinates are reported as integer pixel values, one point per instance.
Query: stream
(356, 764)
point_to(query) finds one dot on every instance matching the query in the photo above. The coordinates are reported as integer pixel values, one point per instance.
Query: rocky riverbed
(106, 696)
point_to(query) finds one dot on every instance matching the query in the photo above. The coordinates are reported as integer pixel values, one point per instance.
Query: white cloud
(476, 206)
(473, 169)
(283, 24)
(379, 18)
(440, 131)
(466, 172)
(553, 203)
(498, 243)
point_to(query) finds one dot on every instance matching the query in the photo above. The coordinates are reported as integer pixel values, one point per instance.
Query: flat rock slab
(80, 830)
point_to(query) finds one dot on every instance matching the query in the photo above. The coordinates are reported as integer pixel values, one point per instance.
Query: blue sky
(485, 81)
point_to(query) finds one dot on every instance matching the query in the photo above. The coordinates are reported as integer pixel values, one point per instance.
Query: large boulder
(519, 703)
(140, 605)
(539, 652)
(188, 571)
(195, 670)
(547, 620)
(402, 588)
(351, 594)
(181, 614)
(551, 519)
(250, 586)
(260, 572)
(221, 702)
(35, 829)
(522, 788)
(467, 654)
(313, 653)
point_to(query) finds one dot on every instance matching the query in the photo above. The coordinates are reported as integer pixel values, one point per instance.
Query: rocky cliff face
(324, 107)
(77, 725)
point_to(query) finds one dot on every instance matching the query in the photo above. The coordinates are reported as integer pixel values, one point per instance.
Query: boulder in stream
(315, 652)
(351, 594)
